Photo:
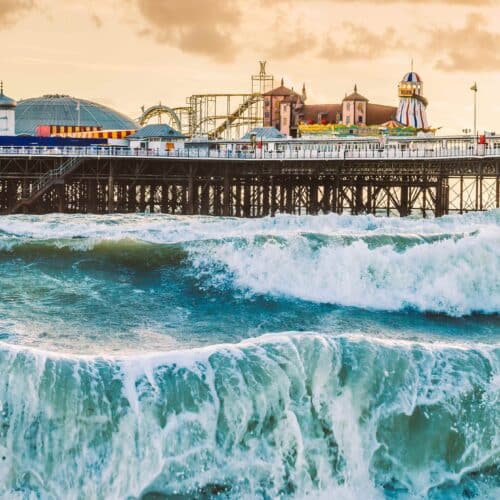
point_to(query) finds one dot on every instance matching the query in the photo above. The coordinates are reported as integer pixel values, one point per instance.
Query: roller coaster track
(240, 111)
(46, 181)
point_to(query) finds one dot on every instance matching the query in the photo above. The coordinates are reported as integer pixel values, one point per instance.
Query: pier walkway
(219, 151)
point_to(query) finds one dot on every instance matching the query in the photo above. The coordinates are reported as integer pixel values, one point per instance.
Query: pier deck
(255, 184)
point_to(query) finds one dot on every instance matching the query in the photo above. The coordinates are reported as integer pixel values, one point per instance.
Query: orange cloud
(474, 3)
(469, 48)
(362, 44)
(195, 26)
(210, 28)
(10, 10)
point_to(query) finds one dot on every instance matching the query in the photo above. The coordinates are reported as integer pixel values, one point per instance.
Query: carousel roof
(392, 124)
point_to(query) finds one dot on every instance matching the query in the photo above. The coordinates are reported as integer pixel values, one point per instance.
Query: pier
(245, 182)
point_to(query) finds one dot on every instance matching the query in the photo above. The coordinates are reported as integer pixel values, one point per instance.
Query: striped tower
(412, 104)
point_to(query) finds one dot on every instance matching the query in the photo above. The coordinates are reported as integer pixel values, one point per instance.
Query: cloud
(10, 10)
(215, 29)
(468, 48)
(413, 2)
(289, 43)
(196, 26)
(361, 44)
(96, 20)
(473, 3)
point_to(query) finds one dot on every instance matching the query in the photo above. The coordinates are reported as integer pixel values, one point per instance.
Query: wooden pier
(248, 188)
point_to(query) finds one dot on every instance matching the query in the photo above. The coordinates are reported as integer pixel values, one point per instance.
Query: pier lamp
(474, 90)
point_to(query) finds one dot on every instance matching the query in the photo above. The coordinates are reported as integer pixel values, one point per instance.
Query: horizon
(145, 51)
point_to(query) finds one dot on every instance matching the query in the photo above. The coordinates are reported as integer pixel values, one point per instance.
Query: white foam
(252, 412)
(156, 228)
(453, 276)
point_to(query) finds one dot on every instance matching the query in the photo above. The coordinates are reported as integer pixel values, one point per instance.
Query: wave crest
(454, 276)
(283, 415)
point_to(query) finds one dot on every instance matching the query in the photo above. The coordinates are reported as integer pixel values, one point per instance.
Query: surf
(290, 414)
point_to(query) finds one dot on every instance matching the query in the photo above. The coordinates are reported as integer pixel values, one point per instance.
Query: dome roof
(69, 111)
(160, 131)
(5, 102)
(412, 77)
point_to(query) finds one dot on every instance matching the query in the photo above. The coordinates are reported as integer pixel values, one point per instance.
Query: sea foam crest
(453, 275)
(288, 415)
(447, 265)
(156, 228)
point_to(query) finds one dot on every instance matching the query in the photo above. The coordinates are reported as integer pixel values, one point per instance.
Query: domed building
(412, 109)
(63, 110)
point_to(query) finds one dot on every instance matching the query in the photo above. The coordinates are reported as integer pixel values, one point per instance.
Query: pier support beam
(226, 193)
(404, 209)
(235, 187)
(91, 198)
(111, 189)
(60, 197)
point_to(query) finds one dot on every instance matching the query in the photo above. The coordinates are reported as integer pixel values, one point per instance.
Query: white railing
(427, 150)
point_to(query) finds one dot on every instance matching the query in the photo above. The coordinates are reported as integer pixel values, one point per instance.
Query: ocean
(167, 357)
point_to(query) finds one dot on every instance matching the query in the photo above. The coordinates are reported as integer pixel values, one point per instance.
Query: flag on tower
(474, 87)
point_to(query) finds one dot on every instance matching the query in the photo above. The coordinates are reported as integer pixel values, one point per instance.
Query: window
(348, 106)
(266, 114)
(347, 120)
(360, 119)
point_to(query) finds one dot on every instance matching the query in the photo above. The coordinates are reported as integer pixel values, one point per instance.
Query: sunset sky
(130, 53)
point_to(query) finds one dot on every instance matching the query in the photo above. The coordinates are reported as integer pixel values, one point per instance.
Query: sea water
(153, 356)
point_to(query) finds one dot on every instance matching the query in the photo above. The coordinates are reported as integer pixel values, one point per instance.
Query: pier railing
(309, 153)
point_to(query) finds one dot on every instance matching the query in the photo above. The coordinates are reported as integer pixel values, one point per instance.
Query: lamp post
(474, 89)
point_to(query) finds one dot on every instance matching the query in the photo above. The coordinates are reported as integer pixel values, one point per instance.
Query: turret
(7, 114)
(412, 110)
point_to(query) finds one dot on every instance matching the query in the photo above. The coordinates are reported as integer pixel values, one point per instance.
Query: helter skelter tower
(412, 110)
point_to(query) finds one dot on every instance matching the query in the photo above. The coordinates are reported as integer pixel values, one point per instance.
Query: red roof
(316, 112)
(355, 96)
(281, 91)
(377, 114)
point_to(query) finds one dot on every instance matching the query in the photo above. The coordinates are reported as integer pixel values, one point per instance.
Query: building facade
(7, 114)
(285, 110)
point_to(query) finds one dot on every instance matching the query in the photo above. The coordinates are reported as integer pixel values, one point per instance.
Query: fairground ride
(177, 118)
(218, 115)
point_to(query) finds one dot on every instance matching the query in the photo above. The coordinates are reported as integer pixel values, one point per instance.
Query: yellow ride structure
(216, 115)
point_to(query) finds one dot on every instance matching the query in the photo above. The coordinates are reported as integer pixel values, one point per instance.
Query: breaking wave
(451, 275)
(287, 415)
(364, 402)
(447, 265)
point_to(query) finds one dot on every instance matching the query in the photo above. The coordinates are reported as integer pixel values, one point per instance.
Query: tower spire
(1, 87)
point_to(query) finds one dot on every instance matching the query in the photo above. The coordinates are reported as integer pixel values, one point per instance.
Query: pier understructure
(248, 188)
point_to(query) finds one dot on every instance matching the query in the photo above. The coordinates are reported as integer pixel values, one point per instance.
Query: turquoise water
(149, 356)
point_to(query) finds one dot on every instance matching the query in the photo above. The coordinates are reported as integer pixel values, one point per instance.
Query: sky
(130, 53)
